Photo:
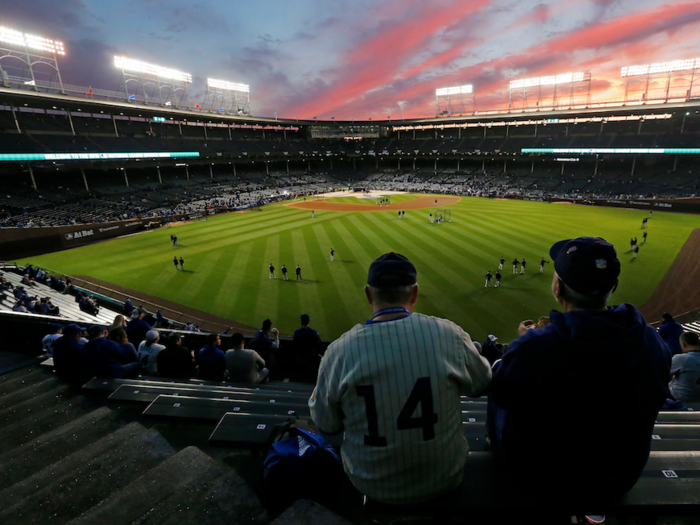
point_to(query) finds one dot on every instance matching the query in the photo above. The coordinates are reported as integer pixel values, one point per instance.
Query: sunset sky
(365, 58)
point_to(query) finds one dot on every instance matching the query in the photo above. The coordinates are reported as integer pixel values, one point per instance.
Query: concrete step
(49, 419)
(22, 377)
(55, 472)
(37, 454)
(307, 511)
(28, 392)
(225, 499)
(27, 406)
(175, 483)
(80, 481)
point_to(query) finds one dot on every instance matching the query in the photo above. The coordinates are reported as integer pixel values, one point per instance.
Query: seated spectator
(119, 322)
(554, 409)
(670, 331)
(160, 320)
(175, 360)
(372, 380)
(128, 307)
(19, 307)
(685, 370)
(69, 357)
(118, 335)
(265, 346)
(113, 356)
(48, 341)
(492, 350)
(28, 281)
(307, 349)
(212, 364)
(88, 305)
(148, 352)
(46, 307)
(136, 328)
(244, 366)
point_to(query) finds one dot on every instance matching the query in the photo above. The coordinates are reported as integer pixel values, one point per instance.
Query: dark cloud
(49, 18)
(90, 63)
(268, 39)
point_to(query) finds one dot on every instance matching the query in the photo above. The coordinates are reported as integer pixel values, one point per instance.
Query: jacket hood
(619, 326)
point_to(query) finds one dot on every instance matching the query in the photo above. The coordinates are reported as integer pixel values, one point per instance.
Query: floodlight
(467, 89)
(128, 64)
(661, 67)
(228, 86)
(564, 78)
(11, 36)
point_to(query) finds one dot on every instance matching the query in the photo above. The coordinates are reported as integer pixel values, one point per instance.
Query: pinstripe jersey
(393, 387)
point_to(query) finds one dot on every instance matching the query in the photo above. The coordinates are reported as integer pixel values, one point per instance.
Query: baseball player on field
(503, 261)
(332, 254)
(272, 272)
(488, 279)
(542, 263)
(392, 387)
(516, 262)
(522, 266)
(498, 279)
(284, 273)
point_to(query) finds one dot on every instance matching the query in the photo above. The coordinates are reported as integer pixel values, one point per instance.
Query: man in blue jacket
(572, 405)
(670, 330)
(212, 364)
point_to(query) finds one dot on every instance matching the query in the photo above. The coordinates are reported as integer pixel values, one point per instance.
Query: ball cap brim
(588, 265)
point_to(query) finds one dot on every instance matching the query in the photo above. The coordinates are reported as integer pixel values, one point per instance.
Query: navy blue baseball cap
(73, 328)
(587, 265)
(96, 329)
(391, 269)
(305, 318)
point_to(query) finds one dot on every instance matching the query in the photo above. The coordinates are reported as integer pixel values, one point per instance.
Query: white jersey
(394, 388)
(147, 357)
(48, 341)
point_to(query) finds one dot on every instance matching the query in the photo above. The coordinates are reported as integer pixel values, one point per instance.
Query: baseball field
(227, 258)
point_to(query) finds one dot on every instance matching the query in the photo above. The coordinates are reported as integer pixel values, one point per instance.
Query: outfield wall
(677, 205)
(16, 243)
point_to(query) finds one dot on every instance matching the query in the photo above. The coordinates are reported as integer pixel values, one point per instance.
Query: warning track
(678, 291)
(422, 202)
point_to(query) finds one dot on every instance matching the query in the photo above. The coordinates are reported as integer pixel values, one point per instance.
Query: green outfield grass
(395, 199)
(227, 260)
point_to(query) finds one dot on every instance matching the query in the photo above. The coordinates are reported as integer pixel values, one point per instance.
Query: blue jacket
(577, 400)
(670, 331)
(212, 364)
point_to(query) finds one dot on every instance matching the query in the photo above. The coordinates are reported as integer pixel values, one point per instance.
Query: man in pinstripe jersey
(393, 386)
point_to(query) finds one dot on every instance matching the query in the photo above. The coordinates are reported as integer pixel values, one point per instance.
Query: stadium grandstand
(79, 166)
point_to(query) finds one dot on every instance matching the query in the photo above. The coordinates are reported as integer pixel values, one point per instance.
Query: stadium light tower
(553, 83)
(679, 71)
(31, 50)
(451, 100)
(158, 78)
(227, 97)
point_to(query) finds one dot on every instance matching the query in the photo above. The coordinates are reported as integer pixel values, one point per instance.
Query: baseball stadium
(188, 213)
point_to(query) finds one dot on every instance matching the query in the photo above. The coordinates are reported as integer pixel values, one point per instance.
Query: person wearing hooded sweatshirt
(572, 405)
(670, 330)
(212, 364)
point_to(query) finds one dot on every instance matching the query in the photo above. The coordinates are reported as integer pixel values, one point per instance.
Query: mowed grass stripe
(229, 290)
(310, 296)
(339, 284)
(267, 303)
